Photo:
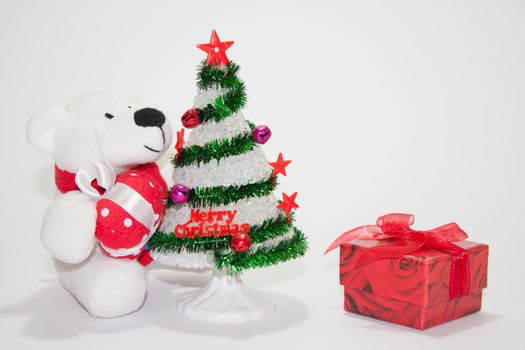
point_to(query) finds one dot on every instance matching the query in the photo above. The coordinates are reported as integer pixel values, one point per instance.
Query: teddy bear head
(110, 127)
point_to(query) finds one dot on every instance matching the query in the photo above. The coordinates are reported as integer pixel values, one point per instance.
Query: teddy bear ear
(129, 94)
(40, 130)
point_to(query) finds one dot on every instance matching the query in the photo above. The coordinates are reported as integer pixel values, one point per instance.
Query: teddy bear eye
(129, 106)
(109, 116)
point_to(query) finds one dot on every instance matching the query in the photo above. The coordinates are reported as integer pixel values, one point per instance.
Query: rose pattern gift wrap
(414, 278)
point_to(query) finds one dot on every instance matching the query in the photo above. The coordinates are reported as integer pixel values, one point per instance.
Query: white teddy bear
(110, 198)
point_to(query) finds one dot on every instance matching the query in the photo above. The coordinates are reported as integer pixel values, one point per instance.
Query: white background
(394, 106)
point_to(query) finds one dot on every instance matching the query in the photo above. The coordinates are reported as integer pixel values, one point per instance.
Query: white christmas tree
(222, 213)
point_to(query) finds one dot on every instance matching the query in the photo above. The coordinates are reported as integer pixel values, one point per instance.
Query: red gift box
(413, 278)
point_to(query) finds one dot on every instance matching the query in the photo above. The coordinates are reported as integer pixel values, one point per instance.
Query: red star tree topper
(216, 50)
(279, 166)
(288, 203)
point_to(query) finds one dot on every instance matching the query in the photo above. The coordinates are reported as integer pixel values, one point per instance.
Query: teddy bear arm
(68, 228)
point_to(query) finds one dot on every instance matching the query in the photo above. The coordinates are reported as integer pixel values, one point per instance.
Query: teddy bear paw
(112, 288)
(68, 229)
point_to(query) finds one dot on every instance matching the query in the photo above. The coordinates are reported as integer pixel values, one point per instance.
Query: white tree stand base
(225, 299)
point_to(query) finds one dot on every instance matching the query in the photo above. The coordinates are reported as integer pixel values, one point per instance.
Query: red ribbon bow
(396, 227)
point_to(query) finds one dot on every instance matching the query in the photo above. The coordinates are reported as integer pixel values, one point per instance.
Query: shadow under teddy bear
(52, 315)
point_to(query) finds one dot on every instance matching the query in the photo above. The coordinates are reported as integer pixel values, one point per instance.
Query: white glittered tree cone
(222, 213)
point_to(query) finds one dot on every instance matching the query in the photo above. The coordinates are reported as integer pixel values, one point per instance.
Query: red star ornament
(288, 203)
(180, 142)
(216, 50)
(279, 166)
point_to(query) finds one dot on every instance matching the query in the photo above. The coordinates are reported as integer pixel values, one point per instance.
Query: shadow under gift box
(412, 290)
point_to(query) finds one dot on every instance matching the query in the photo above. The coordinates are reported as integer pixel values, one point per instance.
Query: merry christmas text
(210, 223)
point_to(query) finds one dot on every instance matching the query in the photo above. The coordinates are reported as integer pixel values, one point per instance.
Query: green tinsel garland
(288, 249)
(201, 197)
(216, 149)
(167, 242)
(211, 76)
(271, 228)
(223, 106)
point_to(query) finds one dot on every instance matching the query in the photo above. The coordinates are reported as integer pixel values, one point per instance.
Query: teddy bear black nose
(149, 117)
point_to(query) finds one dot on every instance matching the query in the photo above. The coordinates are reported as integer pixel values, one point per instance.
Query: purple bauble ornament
(179, 194)
(261, 134)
